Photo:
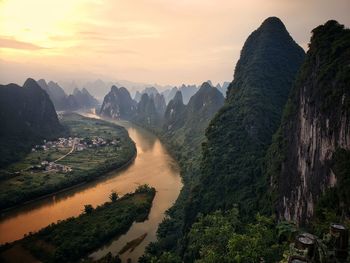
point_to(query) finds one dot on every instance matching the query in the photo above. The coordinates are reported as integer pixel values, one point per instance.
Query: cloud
(117, 51)
(9, 42)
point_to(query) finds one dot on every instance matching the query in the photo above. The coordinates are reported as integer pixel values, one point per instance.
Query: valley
(153, 166)
(175, 132)
(91, 149)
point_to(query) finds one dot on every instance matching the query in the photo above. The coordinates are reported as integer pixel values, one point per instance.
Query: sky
(149, 41)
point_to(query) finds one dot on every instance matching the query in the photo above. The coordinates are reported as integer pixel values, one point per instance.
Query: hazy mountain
(52, 88)
(98, 88)
(223, 88)
(78, 100)
(137, 96)
(174, 114)
(84, 98)
(118, 104)
(56, 94)
(150, 91)
(169, 94)
(27, 116)
(187, 92)
(146, 113)
(159, 103)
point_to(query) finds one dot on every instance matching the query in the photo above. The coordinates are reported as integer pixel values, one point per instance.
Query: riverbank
(153, 166)
(67, 189)
(85, 164)
(73, 238)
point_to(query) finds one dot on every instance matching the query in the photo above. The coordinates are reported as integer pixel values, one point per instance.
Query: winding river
(153, 165)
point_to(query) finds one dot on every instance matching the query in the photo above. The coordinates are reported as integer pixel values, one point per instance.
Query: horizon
(148, 43)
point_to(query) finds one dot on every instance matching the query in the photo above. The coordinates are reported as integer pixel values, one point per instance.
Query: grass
(19, 185)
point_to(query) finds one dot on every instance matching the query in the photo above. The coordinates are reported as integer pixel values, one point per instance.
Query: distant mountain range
(184, 125)
(180, 123)
(150, 107)
(78, 100)
(187, 91)
(100, 88)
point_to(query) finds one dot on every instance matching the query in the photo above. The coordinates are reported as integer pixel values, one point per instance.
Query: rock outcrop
(315, 125)
(118, 104)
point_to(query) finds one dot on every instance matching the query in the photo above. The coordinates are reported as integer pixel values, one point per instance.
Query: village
(75, 144)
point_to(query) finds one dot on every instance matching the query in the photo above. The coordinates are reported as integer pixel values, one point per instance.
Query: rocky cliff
(159, 103)
(174, 114)
(316, 124)
(146, 113)
(118, 104)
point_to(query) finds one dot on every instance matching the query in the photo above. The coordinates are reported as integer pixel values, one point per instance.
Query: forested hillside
(184, 125)
(237, 139)
(240, 133)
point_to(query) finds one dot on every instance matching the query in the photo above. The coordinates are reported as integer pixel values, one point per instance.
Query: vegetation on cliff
(321, 97)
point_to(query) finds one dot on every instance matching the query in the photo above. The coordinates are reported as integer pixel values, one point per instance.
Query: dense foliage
(222, 237)
(241, 131)
(74, 238)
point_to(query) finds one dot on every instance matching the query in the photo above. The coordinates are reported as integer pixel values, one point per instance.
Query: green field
(74, 238)
(20, 182)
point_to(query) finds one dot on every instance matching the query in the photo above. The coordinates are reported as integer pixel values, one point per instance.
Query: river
(153, 165)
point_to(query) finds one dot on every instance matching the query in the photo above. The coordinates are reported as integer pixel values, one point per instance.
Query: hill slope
(240, 133)
(27, 116)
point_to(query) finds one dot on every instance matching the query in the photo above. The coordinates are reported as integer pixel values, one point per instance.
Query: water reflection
(153, 165)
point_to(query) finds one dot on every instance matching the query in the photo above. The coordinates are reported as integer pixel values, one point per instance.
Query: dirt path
(64, 156)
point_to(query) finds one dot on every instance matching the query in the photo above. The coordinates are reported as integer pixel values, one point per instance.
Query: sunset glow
(154, 41)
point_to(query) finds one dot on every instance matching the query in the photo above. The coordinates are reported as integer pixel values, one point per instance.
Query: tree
(113, 196)
(88, 209)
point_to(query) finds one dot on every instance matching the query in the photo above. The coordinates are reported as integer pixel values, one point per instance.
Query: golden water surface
(153, 165)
